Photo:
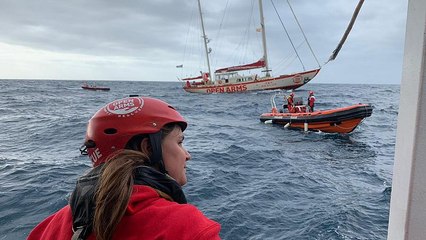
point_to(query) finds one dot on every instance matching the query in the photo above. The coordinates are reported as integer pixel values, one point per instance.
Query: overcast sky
(145, 40)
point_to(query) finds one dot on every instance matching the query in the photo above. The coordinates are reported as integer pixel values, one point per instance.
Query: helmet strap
(157, 155)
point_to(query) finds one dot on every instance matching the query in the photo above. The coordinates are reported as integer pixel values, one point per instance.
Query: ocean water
(258, 180)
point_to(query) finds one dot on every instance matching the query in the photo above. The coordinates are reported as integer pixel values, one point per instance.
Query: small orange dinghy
(338, 120)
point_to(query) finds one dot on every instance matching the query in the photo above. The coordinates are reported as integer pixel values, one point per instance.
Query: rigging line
(288, 60)
(239, 52)
(195, 45)
(187, 39)
(300, 27)
(257, 38)
(198, 46)
(217, 44)
(240, 55)
(247, 35)
(286, 63)
(279, 17)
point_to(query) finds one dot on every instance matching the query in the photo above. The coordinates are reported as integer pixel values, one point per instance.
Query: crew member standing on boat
(311, 101)
(290, 103)
(134, 188)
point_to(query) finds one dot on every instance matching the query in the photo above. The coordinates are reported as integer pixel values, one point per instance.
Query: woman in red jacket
(134, 190)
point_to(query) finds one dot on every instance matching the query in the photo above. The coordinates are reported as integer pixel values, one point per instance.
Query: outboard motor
(298, 101)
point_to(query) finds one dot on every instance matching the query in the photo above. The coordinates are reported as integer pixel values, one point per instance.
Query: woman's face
(175, 155)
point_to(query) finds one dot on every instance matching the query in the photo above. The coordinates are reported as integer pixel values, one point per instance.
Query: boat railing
(273, 103)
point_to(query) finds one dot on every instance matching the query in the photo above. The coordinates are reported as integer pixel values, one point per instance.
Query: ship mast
(262, 25)
(205, 41)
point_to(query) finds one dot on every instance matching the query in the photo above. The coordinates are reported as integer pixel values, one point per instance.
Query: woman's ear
(146, 146)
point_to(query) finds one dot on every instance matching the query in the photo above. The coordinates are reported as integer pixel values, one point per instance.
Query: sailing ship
(229, 79)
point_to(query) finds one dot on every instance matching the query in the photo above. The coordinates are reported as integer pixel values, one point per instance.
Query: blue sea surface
(260, 181)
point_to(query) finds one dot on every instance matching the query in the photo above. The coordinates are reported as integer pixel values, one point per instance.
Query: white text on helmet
(95, 155)
(124, 104)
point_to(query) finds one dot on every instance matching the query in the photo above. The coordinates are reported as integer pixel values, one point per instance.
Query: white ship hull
(286, 82)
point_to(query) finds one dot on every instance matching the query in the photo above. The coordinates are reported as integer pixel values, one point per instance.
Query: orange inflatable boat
(338, 120)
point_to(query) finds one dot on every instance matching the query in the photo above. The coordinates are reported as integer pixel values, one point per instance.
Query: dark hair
(116, 184)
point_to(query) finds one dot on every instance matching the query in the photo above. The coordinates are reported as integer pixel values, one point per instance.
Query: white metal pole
(205, 41)
(262, 25)
(407, 217)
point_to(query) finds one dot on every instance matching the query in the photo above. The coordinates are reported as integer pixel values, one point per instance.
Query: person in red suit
(311, 101)
(290, 103)
(134, 189)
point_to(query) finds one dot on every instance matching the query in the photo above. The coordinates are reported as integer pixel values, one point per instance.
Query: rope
(345, 35)
(218, 44)
(300, 27)
(288, 36)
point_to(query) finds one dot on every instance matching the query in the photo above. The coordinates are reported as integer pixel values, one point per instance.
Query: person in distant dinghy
(311, 101)
(134, 189)
(290, 103)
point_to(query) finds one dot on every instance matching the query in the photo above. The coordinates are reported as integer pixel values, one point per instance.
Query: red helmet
(311, 92)
(115, 124)
(292, 94)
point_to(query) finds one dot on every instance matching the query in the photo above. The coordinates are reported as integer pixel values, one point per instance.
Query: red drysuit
(148, 216)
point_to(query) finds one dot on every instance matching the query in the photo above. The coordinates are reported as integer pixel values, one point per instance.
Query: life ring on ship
(220, 82)
(297, 78)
